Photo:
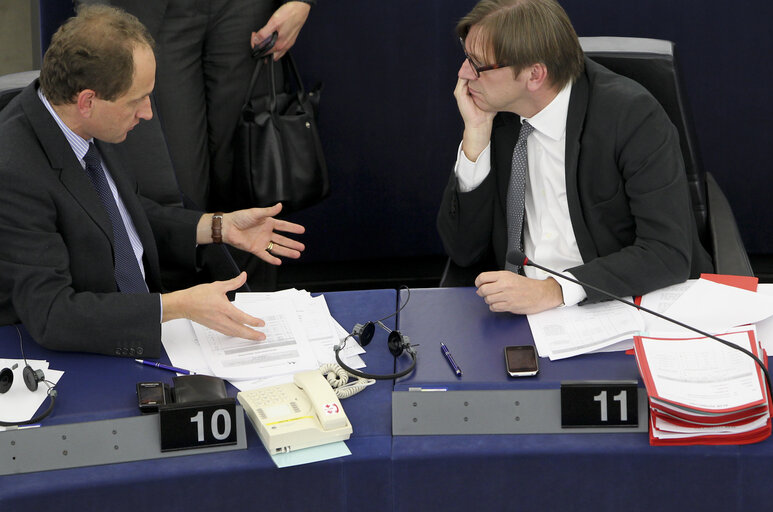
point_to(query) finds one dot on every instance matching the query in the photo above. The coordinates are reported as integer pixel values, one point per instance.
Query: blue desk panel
(99, 387)
(477, 337)
(548, 471)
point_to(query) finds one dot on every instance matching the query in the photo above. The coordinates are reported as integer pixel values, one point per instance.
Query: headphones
(31, 380)
(397, 342)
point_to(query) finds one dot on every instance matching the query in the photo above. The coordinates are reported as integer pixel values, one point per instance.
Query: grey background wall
(16, 35)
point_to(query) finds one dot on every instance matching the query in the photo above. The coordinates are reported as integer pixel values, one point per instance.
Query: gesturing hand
(257, 231)
(208, 305)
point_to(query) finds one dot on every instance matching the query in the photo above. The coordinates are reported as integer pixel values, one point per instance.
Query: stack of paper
(712, 304)
(300, 335)
(703, 392)
(566, 332)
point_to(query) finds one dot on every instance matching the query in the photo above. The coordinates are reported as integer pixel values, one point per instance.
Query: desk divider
(94, 443)
(492, 411)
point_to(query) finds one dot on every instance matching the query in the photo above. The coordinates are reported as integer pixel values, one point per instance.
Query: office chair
(11, 85)
(652, 63)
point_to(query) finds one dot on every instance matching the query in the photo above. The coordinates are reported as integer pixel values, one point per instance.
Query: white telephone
(294, 416)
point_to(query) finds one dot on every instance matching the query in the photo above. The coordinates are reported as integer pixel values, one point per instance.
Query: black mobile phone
(265, 46)
(521, 361)
(152, 394)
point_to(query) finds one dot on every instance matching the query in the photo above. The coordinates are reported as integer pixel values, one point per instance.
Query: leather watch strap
(217, 228)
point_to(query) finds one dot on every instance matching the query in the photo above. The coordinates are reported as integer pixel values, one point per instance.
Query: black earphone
(31, 379)
(397, 342)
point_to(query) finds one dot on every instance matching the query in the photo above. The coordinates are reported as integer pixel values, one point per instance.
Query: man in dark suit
(80, 251)
(595, 186)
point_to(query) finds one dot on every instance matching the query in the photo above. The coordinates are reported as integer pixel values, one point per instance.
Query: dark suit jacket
(626, 188)
(56, 253)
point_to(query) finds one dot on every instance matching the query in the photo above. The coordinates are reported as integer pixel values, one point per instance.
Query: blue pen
(450, 359)
(166, 367)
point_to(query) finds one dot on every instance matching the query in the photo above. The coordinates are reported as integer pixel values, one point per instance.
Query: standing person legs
(228, 66)
(180, 95)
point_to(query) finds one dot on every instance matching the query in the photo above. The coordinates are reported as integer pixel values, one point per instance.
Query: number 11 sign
(599, 404)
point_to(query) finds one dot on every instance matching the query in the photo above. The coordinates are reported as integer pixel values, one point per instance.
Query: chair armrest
(728, 250)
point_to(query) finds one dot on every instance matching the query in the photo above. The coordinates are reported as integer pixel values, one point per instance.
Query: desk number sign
(599, 404)
(197, 424)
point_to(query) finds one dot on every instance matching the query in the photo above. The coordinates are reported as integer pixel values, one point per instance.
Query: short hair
(520, 33)
(93, 50)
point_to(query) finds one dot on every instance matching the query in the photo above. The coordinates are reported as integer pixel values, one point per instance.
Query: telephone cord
(338, 378)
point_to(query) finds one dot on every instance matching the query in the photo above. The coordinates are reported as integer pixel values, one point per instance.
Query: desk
(552, 471)
(599, 472)
(98, 387)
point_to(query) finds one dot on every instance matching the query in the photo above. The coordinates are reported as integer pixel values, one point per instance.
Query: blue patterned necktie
(128, 275)
(516, 194)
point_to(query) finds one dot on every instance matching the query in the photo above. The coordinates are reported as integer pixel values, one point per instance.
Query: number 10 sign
(197, 424)
(599, 404)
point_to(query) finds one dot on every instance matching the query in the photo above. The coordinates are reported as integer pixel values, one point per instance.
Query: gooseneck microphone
(518, 258)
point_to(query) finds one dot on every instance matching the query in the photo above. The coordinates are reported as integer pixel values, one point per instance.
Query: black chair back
(11, 85)
(652, 63)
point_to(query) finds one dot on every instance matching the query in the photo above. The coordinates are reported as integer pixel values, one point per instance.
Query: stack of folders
(703, 392)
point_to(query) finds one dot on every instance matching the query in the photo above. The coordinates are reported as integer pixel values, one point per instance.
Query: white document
(291, 311)
(714, 307)
(659, 301)
(667, 430)
(322, 331)
(19, 403)
(182, 346)
(285, 349)
(765, 327)
(565, 332)
(703, 374)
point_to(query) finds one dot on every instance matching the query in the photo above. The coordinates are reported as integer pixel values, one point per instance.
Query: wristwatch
(217, 228)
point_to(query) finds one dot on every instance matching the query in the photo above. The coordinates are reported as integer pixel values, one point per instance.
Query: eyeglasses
(475, 67)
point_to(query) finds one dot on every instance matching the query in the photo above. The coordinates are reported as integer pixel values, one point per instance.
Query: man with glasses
(574, 165)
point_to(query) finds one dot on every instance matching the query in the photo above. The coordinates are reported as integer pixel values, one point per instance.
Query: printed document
(285, 349)
(707, 305)
(565, 332)
(702, 373)
(300, 334)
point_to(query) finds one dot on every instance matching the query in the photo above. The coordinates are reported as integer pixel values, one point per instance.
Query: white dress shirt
(548, 235)
(80, 147)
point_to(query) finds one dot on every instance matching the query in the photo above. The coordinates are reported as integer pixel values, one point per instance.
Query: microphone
(518, 258)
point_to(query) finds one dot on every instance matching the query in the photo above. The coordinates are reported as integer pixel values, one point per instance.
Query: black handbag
(277, 151)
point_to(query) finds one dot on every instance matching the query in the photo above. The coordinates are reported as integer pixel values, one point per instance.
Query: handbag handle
(272, 80)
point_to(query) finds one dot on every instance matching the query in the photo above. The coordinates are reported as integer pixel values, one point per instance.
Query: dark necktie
(516, 194)
(128, 275)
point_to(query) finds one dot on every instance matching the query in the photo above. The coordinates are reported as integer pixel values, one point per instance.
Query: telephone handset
(323, 399)
(296, 415)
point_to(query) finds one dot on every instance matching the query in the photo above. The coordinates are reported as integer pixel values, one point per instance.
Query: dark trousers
(204, 67)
